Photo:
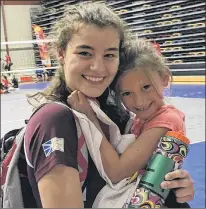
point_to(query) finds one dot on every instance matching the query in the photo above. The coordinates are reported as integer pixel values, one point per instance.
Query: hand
(78, 102)
(183, 184)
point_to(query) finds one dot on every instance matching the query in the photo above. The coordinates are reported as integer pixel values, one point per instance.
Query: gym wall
(18, 27)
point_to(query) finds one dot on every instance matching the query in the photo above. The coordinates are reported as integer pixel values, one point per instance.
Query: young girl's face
(143, 94)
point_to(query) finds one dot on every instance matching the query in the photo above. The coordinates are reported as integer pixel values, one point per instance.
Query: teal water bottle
(169, 156)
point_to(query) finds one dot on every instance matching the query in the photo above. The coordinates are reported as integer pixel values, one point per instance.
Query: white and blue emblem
(52, 145)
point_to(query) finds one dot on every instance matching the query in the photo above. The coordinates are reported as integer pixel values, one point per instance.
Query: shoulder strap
(39, 107)
(84, 184)
(26, 122)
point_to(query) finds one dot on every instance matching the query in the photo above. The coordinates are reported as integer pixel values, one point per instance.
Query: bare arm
(135, 156)
(61, 188)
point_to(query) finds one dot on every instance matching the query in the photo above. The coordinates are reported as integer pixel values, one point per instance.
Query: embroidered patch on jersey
(52, 145)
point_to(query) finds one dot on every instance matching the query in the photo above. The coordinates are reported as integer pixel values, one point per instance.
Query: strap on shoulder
(39, 107)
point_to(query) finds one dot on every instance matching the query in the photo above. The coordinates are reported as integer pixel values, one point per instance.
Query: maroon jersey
(50, 139)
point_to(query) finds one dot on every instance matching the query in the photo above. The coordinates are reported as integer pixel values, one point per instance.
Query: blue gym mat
(195, 164)
(176, 90)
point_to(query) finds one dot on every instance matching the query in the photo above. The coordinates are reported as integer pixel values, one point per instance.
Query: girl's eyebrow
(144, 84)
(91, 48)
(85, 47)
(122, 91)
(112, 49)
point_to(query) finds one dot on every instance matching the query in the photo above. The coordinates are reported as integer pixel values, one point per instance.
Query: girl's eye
(85, 54)
(146, 87)
(126, 94)
(109, 55)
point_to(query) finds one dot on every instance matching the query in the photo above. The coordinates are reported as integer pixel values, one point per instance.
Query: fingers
(185, 194)
(78, 102)
(81, 97)
(174, 184)
(185, 199)
(76, 96)
(176, 175)
(184, 186)
(73, 98)
(177, 179)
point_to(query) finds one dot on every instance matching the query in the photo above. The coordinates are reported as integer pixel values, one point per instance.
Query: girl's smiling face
(141, 91)
(91, 59)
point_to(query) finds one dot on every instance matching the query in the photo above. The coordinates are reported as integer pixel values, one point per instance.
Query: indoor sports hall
(177, 28)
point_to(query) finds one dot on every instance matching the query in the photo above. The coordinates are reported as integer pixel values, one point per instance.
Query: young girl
(139, 90)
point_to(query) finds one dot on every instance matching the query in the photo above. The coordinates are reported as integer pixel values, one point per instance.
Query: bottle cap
(178, 135)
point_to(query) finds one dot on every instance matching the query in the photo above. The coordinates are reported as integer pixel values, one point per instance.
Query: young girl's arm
(136, 155)
(134, 158)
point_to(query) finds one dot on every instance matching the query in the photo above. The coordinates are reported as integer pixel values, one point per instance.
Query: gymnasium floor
(188, 98)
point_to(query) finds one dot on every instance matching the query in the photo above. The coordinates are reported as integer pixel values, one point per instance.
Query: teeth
(141, 109)
(93, 78)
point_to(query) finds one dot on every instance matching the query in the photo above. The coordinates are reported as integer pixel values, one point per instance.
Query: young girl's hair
(139, 54)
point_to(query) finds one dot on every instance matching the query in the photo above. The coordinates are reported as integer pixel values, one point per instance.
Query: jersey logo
(52, 145)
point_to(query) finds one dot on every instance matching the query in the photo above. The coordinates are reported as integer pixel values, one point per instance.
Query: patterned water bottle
(169, 156)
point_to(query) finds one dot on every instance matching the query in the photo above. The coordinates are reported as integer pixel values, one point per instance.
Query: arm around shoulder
(134, 158)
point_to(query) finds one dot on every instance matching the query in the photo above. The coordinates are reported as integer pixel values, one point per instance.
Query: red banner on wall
(43, 48)
(157, 46)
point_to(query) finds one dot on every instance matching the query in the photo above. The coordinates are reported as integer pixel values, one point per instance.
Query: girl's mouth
(93, 79)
